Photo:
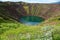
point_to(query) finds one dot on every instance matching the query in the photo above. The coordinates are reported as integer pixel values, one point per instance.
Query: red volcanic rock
(16, 10)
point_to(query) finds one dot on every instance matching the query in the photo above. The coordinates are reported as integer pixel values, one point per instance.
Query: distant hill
(56, 3)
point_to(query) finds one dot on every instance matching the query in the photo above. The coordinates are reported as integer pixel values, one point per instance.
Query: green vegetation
(12, 29)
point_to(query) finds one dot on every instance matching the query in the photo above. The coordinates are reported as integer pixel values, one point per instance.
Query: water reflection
(31, 20)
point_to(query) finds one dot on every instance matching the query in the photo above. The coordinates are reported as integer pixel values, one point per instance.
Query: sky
(34, 1)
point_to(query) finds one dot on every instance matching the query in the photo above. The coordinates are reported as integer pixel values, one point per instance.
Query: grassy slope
(55, 22)
(23, 29)
(6, 24)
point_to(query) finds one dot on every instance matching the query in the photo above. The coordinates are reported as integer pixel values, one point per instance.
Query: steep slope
(10, 11)
(18, 9)
(45, 10)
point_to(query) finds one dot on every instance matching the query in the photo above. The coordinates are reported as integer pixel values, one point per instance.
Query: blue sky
(34, 1)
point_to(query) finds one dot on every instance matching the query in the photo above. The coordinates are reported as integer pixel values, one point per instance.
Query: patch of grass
(18, 31)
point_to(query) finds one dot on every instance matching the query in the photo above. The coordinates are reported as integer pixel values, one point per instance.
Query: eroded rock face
(16, 10)
(45, 10)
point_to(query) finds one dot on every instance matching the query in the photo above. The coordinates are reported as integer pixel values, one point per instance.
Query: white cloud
(40, 1)
(35, 1)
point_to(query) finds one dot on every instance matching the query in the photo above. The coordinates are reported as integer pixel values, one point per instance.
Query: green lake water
(31, 20)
